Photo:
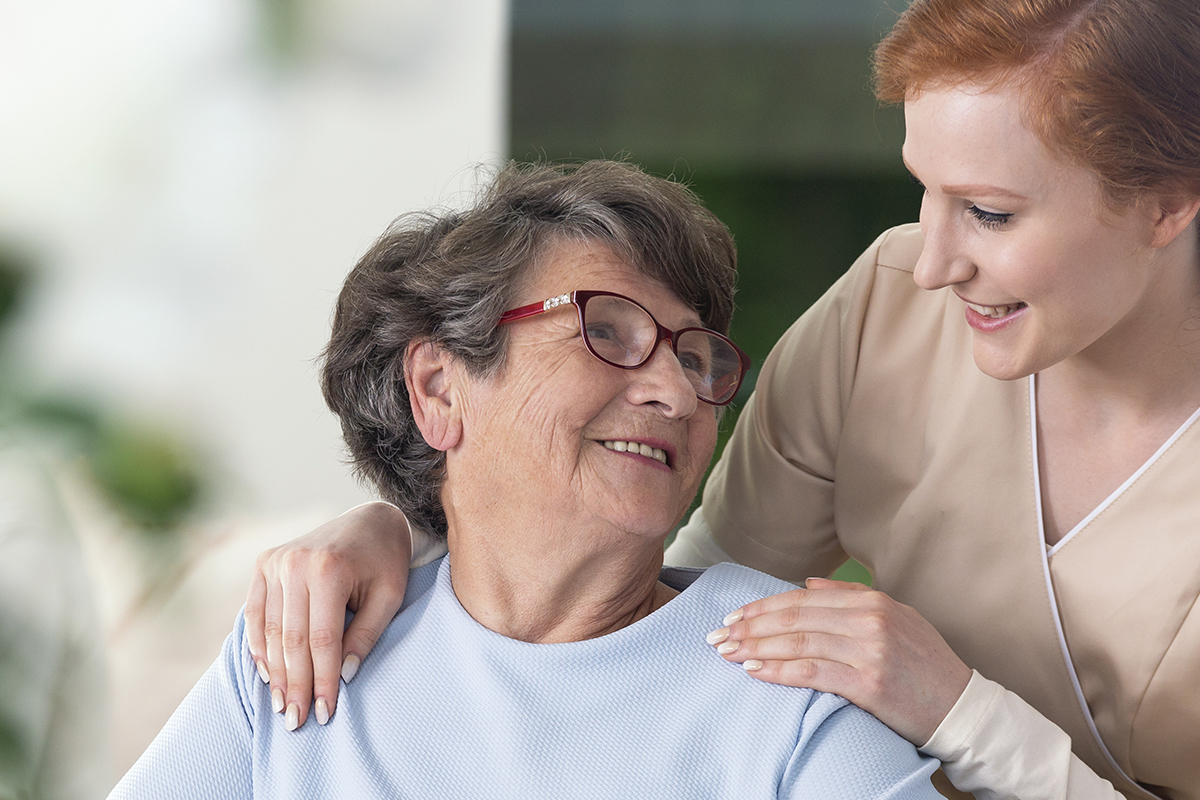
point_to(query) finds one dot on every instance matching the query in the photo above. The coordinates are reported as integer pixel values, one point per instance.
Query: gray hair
(446, 279)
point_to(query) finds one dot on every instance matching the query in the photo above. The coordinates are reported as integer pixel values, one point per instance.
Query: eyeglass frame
(579, 299)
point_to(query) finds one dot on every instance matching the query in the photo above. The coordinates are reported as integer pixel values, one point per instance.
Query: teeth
(995, 312)
(641, 449)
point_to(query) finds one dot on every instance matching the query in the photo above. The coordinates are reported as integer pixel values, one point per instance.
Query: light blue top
(445, 708)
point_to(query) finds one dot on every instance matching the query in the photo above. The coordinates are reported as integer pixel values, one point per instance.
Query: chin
(1002, 368)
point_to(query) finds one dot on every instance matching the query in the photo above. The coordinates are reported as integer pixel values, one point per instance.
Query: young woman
(994, 411)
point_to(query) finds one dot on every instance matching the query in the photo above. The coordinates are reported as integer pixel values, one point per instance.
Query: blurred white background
(198, 190)
(194, 179)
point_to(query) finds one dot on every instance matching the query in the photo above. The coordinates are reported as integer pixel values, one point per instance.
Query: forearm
(997, 746)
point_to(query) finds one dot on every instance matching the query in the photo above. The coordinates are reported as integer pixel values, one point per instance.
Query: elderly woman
(537, 381)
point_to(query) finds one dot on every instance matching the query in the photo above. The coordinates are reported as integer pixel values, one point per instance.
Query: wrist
(382, 515)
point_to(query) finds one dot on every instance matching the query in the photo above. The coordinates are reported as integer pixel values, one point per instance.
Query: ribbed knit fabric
(445, 708)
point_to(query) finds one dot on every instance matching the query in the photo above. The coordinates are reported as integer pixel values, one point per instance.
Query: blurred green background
(763, 108)
(147, 472)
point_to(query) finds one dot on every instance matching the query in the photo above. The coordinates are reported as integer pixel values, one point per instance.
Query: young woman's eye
(991, 220)
(916, 181)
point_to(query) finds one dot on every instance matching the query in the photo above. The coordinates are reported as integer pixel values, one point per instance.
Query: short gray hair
(447, 278)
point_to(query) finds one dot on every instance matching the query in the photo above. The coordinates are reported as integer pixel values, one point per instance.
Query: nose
(661, 383)
(942, 261)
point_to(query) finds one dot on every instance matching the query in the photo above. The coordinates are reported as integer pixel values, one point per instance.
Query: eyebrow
(970, 189)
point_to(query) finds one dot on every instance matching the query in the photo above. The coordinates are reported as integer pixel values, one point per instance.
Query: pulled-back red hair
(1113, 85)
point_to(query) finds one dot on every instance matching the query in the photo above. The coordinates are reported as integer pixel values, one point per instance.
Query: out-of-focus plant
(146, 471)
(280, 26)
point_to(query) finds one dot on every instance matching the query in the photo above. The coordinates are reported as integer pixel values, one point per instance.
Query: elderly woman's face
(558, 432)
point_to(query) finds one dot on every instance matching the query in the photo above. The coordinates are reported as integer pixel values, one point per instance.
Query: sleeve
(844, 752)
(769, 500)
(997, 746)
(425, 548)
(694, 545)
(205, 748)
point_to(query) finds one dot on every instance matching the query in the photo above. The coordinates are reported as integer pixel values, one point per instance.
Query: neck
(544, 586)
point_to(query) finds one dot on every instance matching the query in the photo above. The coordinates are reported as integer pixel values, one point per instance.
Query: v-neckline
(1106, 502)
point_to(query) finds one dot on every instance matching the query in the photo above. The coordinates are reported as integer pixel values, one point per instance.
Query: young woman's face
(1045, 270)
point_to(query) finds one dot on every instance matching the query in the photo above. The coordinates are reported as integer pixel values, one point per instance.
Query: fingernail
(350, 667)
(292, 720)
(727, 648)
(322, 711)
(717, 636)
(752, 665)
(732, 617)
(277, 699)
(262, 672)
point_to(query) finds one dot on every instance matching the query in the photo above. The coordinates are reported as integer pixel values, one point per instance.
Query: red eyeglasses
(620, 332)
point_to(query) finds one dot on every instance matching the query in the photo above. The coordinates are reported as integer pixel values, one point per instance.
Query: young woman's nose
(943, 261)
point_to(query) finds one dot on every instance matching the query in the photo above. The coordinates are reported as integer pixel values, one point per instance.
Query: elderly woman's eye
(694, 361)
(602, 330)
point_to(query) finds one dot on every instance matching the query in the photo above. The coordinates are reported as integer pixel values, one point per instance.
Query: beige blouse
(872, 434)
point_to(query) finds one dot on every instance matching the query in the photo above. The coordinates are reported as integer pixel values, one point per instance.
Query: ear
(428, 374)
(1174, 214)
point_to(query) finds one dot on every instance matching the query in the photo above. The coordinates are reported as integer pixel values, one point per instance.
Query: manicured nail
(322, 711)
(717, 636)
(292, 720)
(727, 647)
(752, 665)
(350, 667)
(262, 672)
(732, 617)
(277, 699)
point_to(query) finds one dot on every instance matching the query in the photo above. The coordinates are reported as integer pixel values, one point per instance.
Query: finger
(273, 634)
(255, 611)
(830, 583)
(799, 646)
(327, 612)
(296, 656)
(862, 620)
(373, 615)
(831, 593)
(812, 673)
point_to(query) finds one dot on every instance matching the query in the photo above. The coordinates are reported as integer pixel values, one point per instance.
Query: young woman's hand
(296, 607)
(853, 641)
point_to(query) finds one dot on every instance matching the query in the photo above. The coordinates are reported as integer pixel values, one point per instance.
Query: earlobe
(428, 374)
(1175, 214)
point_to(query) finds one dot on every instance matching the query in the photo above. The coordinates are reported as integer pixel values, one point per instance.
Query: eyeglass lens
(624, 334)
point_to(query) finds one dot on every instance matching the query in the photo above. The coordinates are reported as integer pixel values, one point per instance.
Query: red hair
(1113, 85)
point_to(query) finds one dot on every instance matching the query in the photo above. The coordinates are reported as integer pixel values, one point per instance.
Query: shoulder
(730, 581)
(716, 591)
(898, 248)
